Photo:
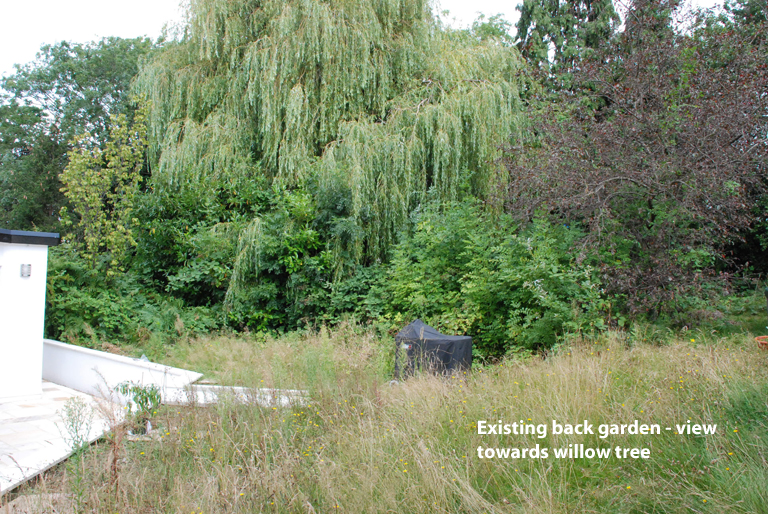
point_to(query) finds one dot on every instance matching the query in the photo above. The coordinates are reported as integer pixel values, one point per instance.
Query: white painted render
(22, 319)
(97, 373)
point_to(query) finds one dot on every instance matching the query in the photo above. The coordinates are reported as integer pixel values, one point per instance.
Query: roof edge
(25, 237)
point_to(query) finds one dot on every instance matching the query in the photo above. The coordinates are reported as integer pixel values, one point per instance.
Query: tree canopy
(661, 154)
(556, 33)
(70, 89)
(297, 162)
(370, 97)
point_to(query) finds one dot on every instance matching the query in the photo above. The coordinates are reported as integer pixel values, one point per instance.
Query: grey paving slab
(34, 435)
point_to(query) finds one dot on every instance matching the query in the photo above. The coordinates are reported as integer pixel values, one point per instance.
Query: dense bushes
(465, 270)
(282, 268)
(321, 194)
(460, 268)
(84, 306)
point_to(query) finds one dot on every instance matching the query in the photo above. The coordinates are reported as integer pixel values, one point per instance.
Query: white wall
(97, 373)
(22, 319)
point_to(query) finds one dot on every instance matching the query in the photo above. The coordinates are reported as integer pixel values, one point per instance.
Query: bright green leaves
(101, 186)
(467, 272)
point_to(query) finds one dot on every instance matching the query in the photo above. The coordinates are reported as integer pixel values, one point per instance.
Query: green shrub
(465, 270)
(80, 306)
(86, 307)
(186, 241)
(283, 270)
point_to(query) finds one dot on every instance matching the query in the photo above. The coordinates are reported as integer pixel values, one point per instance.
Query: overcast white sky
(26, 25)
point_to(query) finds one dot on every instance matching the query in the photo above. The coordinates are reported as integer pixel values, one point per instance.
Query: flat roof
(24, 237)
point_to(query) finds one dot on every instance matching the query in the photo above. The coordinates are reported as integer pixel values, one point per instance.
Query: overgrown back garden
(270, 193)
(284, 165)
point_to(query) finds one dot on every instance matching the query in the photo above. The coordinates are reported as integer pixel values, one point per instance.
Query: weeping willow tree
(372, 95)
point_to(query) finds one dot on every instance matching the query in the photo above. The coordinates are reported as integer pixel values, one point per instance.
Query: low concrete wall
(205, 394)
(97, 373)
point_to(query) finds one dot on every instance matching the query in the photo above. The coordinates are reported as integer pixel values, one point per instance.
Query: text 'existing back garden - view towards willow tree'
(371, 99)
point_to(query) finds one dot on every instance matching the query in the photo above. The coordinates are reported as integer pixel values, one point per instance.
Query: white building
(38, 376)
(23, 271)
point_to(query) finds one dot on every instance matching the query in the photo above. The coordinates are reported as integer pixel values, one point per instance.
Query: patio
(33, 435)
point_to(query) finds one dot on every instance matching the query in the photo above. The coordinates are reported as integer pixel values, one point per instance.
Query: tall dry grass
(363, 445)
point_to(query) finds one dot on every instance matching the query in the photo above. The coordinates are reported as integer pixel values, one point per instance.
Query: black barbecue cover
(420, 345)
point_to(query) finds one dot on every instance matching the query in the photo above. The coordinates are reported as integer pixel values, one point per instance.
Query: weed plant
(362, 445)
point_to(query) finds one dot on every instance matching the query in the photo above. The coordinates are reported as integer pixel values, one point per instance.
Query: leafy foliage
(494, 27)
(69, 89)
(569, 29)
(102, 185)
(282, 270)
(31, 158)
(651, 156)
(142, 402)
(82, 306)
(372, 94)
(749, 15)
(316, 160)
(80, 86)
(467, 272)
